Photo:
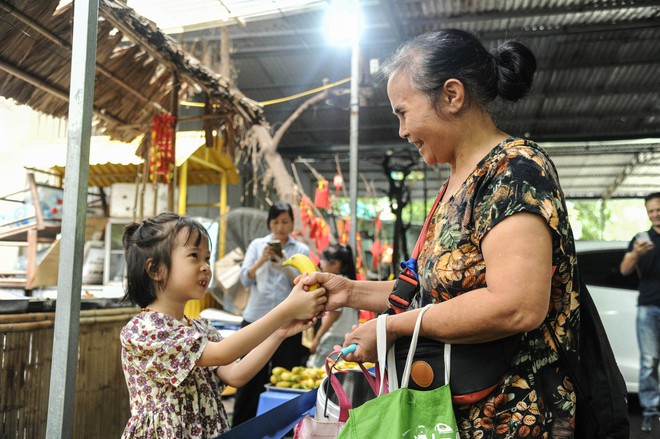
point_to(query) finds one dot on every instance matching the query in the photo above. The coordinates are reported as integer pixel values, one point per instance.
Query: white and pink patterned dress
(169, 395)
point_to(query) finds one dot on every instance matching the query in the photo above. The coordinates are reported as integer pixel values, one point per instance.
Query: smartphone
(643, 237)
(277, 247)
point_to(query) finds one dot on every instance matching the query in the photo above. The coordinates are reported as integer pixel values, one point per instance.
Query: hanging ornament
(344, 235)
(376, 250)
(322, 197)
(359, 266)
(161, 155)
(387, 254)
(338, 182)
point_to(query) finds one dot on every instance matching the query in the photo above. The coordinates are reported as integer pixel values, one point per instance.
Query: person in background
(337, 259)
(498, 257)
(176, 367)
(643, 256)
(269, 285)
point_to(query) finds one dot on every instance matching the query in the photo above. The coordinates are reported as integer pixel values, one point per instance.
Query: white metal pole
(353, 146)
(62, 391)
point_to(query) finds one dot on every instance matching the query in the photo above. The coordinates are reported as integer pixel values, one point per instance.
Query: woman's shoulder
(515, 156)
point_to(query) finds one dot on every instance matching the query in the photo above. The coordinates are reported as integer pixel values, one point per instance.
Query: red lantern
(161, 157)
(322, 197)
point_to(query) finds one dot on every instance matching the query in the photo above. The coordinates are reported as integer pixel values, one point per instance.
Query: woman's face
(419, 122)
(281, 227)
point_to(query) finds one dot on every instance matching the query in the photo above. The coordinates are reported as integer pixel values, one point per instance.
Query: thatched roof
(137, 68)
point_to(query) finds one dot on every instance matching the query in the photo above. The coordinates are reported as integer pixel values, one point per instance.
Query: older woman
(498, 257)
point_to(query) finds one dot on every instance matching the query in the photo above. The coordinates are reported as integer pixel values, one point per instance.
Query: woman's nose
(403, 131)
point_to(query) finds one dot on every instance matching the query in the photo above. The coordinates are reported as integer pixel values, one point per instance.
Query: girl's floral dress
(170, 397)
(536, 398)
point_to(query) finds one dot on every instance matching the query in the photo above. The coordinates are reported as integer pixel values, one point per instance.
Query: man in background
(643, 256)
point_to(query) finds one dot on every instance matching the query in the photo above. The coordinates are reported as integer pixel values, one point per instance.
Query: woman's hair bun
(516, 65)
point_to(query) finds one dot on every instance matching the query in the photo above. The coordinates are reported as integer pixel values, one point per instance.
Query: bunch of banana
(303, 264)
(299, 377)
(343, 365)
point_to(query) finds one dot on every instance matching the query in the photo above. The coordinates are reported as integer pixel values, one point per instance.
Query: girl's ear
(453, 95)
(153, 272)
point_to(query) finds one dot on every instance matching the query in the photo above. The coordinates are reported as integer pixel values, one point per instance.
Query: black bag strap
(581, 394)
(406, 286)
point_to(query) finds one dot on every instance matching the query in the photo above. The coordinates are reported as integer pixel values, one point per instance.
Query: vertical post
(222, 226)
(171, 185)
(62, 390)
(353, 146)
(183, 188)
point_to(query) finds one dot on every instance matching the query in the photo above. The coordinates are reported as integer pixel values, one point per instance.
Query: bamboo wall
(26, 343)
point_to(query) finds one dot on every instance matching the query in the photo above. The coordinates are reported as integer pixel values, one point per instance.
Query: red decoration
(161, 157)
(315, 259)
(322, 197)
(365, 316)
(344, 227)
(376, 249)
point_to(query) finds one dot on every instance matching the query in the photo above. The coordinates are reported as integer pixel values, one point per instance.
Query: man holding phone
(643, 256)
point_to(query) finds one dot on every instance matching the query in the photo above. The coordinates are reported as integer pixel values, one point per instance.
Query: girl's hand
(294, 327)
(305, 305)
(337, 287)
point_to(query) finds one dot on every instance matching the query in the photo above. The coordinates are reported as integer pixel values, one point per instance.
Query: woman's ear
(453, 95)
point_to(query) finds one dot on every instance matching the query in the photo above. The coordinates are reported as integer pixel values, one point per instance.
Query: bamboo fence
(101, 401)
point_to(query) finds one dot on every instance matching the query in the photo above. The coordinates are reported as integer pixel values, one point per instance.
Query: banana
(303, 264)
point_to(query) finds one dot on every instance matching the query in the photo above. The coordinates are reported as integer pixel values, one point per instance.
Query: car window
(601, 268)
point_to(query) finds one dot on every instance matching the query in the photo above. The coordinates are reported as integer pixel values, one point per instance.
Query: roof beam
(41, 84)
(636, 161)
(59, 42)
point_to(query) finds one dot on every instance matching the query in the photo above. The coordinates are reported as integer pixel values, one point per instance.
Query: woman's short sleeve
(522, 179)
(161, 347)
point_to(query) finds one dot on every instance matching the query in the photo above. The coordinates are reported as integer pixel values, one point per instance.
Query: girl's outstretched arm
(299, 305)
(238, 374)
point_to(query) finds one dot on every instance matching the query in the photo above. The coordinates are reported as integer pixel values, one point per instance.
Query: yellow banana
(303, 264)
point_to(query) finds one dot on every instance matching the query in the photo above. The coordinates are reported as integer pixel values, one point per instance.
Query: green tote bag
(404, 413)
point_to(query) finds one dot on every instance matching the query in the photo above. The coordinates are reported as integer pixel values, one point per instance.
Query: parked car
(615, 297)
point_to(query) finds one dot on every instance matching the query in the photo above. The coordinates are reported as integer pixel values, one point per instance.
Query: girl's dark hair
(277, 209)
(343, 254)
(432, 58)
(155, 239)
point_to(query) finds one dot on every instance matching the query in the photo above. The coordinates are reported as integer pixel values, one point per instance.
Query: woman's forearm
(370, 295)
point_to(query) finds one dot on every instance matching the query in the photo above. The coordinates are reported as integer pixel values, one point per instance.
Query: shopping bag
(310, 428)
(404, 412)
(331, 413)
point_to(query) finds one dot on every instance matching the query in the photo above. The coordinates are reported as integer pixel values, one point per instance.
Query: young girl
(177, 367)
(337, 259)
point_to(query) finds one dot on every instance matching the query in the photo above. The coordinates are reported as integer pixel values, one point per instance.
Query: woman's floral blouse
(536, 398)
(170, 397)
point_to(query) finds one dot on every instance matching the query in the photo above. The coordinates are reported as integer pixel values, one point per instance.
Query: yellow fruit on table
(303, 264)
(285, 376)
(285, 384)
(278, 370)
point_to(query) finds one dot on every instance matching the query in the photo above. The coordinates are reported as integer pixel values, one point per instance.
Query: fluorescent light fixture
(343, 21)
